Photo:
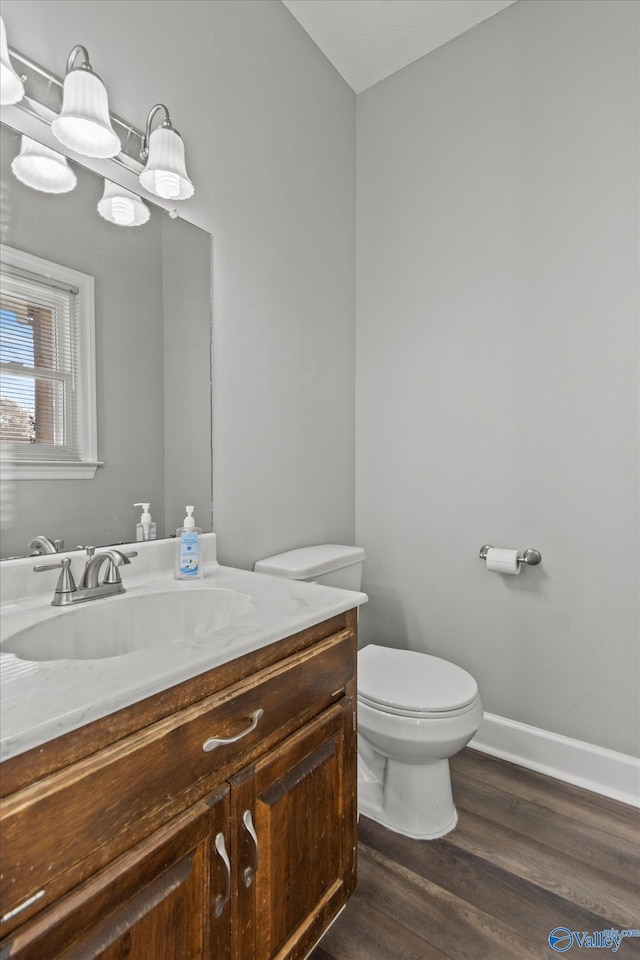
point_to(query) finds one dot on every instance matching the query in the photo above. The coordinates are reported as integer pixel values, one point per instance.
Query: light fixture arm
(166, 123)
(85, 65)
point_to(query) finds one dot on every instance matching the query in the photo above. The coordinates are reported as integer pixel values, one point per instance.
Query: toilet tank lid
(305, 563)
(413, 681)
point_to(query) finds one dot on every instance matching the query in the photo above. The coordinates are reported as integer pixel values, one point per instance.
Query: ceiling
(368, 40)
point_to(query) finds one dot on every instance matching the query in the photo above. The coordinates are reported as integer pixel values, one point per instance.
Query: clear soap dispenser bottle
(188, 554)
(145, 528)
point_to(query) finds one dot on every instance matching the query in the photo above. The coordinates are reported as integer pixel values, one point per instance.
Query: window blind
(39, 375)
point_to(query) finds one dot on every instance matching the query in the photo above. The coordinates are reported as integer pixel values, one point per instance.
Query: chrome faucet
(42, 545)
(90, 586)
(113, 559)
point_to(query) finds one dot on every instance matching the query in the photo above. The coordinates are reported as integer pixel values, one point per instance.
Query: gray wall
(497, 374)
(269, 128)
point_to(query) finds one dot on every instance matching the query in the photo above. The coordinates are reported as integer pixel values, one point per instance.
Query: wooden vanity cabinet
(297, 795)
(153, 902)
(151, 848)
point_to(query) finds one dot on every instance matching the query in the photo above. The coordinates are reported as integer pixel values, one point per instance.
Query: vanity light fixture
(165, 173)
(42, 168)
(84, 124)
(11, 85)
(122, 207)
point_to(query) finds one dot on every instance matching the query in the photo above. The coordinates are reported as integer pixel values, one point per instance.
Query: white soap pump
(146, 528)
(188, 556)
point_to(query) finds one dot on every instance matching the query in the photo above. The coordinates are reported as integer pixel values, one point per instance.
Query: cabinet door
(157, 902)
(294, 816)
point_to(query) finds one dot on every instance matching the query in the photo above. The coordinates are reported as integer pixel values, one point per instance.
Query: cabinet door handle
(222, 898)
(214, 742)
(22, 906)
(250, 872)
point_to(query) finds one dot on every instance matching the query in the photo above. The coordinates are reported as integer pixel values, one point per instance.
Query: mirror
(153, 365)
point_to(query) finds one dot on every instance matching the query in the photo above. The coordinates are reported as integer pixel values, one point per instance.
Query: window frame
(35, 466)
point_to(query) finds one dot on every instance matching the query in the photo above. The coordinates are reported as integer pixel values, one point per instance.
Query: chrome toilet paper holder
(530, 556)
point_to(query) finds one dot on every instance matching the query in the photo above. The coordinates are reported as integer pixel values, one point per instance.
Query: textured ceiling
(367, 40)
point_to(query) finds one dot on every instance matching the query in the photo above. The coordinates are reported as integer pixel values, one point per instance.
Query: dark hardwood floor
(529, 854)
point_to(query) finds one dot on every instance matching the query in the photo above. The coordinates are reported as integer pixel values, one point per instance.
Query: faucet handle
(116, 557)
(113, 574)
(66, 584)
(65, 564)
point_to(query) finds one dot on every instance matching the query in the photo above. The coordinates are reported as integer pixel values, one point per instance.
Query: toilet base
(413, 799)
(375, 812)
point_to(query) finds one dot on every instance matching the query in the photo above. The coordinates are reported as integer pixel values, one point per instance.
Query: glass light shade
(11, 86)
(84, 124)
(122, 207)
(165, 174)
(42, 168)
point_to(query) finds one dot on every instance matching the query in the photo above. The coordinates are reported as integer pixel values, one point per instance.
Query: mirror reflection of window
(43, 380)
(28, 396)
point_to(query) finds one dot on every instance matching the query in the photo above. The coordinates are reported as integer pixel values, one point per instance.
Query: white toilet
(414, 711)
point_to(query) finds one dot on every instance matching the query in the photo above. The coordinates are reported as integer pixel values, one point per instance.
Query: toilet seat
(424, 714)
(411, 684)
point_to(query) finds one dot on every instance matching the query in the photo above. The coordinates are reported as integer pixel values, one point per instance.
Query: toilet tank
(331, 564)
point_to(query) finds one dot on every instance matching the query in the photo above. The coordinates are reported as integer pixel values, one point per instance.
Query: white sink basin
(124, 624)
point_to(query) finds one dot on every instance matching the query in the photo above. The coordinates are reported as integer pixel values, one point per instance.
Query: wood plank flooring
(529, 854)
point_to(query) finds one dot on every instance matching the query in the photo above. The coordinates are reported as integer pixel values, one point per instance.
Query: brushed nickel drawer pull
(22, 906)
(222, 898)
(250, 872)
(214, 742)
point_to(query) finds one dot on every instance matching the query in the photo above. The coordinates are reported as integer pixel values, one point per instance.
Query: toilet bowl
(414, 711)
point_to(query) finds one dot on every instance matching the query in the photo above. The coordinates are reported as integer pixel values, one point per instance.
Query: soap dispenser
(146, 528)
(188, 556)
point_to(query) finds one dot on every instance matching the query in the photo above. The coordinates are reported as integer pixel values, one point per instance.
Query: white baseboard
(607, 772)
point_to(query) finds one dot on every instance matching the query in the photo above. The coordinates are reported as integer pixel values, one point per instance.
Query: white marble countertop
(41, 700)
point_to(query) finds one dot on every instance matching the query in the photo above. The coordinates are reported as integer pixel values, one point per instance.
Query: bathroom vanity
(215, 817)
